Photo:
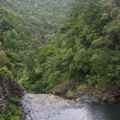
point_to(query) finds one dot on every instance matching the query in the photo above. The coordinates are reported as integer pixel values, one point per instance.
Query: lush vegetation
(47, 15)
(13, 111)
(48, 52)
(35, 23)
(85, 51)
(20, 40)
(10, 62)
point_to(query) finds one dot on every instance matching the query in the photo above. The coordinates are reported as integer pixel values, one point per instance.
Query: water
(49, 107)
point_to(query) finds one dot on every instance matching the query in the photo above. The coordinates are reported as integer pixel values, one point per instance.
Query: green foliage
(12, 112)
(84, 48)
(3, 58)
(29, 24)
(70, 94)
(4, 70)
(81, 87)
(47, 15)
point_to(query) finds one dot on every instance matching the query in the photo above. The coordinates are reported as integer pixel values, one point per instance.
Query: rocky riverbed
(42, 106)
(50, 107)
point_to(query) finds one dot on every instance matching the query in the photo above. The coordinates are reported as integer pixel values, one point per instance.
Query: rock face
(41, 106)
(109, 95)
(6, 88)
(50, 107)
(3, 92)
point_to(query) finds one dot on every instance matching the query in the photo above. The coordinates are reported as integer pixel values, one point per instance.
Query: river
(50, 107)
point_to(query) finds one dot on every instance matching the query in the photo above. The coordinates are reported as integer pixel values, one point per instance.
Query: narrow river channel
(50, 107)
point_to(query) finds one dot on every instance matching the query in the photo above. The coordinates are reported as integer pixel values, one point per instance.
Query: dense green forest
(47, 15)
(24, 35)
(21, 37)
(60, 46)
(17, 43)
(86, 50)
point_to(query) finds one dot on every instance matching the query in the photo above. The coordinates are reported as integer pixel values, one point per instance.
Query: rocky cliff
(8, 88)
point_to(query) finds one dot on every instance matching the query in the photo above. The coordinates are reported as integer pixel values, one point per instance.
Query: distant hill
(46, 14)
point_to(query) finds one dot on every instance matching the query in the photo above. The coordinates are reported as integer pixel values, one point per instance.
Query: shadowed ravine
(50, 107)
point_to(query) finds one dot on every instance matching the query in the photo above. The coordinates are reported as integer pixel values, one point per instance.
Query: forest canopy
(63, 43)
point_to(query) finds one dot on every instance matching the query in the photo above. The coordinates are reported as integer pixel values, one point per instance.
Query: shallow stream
(50, 107)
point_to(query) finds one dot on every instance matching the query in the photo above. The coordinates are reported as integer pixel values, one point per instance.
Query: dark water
(103, 112)
(49, 107)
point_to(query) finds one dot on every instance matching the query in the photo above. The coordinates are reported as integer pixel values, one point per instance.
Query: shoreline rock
(94, 95)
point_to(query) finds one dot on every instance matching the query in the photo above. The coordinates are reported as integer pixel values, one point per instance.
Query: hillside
(64, 47)
(21, 36)
(11, 33)
(47, 15)
(86, 51)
